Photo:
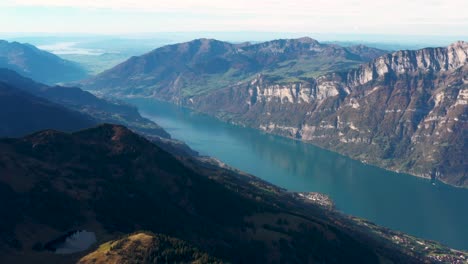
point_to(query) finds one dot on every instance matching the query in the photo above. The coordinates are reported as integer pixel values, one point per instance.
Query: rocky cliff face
(412, 62)
(405, 111)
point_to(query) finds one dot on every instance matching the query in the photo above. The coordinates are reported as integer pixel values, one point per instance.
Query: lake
(401, 202)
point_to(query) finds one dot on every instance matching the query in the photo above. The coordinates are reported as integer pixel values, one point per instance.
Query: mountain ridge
(203, 65)
(21, 113)
(67, 181)
(99, 109)
(38, 64)
(145, 247)
(408, 61)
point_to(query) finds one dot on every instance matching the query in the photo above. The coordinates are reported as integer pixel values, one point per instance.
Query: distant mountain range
(89, 109)
(204, 65)
(405, 111)
(109, 181)
(37, 64)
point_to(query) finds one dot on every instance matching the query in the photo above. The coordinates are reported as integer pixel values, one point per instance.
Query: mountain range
(22, 113)
(37, 64)
(77, 190)
(92, 110)
(204, 65)
(110, 181)
(405, 111)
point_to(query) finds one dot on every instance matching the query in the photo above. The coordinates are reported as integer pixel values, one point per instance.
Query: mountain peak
(459, 45)
(153, 247)
(281, 46)
(114, 139)
(206, 40)
(47, 136)
(306, 40)
(412, 62)
(38, 64)
(196, 47)
(289, 42)
(107, 132)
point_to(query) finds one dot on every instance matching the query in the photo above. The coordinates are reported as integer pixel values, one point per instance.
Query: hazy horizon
(406, 41)
(116, 17)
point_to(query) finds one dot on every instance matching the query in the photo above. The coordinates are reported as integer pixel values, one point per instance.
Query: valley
(249, 131)
(398, 201)
(76, 177)
(404, 111)
(302, 91)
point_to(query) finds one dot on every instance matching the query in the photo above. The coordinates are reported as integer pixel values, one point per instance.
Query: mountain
(22, 113)
(144, 247)
(100, 110)
(204, 65)
(404, 111)
(37, 64)
(107, 181)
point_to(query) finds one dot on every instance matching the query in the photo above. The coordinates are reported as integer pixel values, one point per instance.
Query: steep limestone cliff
(405, 111)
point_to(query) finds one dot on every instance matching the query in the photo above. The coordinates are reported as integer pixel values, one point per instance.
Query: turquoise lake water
(398, 201)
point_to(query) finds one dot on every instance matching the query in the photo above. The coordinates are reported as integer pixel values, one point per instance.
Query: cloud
(291, 15)
(382, 8)
(357, 12)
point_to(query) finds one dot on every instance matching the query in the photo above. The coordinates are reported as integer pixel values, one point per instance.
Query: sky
(397, 17)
